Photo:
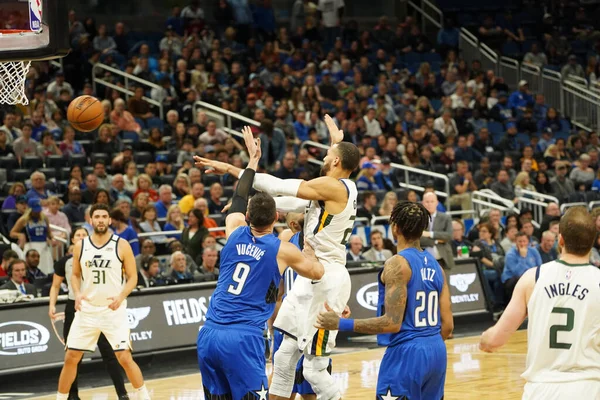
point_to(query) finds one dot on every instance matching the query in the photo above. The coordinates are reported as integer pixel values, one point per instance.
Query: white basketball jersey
(101, 271)
(68, 275)
(564, 324)
(328, 233)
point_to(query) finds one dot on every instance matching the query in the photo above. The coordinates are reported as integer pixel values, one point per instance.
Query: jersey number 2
(568, 327)
(429, 305)
(239, 277)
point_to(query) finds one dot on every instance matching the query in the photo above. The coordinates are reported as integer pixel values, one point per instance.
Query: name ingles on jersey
(566, 289)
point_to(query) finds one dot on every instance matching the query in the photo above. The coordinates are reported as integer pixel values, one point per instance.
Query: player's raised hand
(116, 302)
(252, 144)
(336, 134)
(328, 320)
(214, 167)
(346, 313)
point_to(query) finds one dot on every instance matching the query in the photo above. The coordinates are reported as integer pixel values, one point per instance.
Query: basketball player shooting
(101, 263)
(562, 300)
(231, 353)
(330, 204)
(415, 299)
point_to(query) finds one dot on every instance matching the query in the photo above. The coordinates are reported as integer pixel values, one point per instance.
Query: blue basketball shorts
(414, 370)
(232, 362)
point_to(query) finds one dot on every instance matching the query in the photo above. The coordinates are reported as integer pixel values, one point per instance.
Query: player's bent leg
(284, 369)
(112, 365)
(134, 374)
(315, 370)
(69, 371)
(214, 380)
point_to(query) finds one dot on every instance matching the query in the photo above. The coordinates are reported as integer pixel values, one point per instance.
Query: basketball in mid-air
(85, 113)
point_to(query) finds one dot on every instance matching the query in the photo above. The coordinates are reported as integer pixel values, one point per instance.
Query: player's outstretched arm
(446, 310)
(396, 275)
(514, 315)
(336, 134)
(308, 267)
(239, 203)
(129, 266)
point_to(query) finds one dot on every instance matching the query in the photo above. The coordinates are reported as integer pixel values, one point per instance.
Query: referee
(62, 273)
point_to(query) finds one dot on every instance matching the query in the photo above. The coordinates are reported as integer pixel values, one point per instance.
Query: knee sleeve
(315, 370)
(284, 368)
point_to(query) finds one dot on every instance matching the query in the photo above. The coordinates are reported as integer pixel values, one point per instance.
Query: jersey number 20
(239, 278)
(426, 313)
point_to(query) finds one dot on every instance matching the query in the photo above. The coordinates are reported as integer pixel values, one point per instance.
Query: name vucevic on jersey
(562, 289)
(250, 250)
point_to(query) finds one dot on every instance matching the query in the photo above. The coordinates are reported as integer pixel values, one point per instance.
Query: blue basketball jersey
(289, 276)
(37, 231)
(422, 315)
(248, 280)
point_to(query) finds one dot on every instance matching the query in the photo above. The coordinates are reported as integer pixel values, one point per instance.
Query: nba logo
(35, 15)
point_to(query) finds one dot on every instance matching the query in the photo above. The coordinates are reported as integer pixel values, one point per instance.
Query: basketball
(85, 113)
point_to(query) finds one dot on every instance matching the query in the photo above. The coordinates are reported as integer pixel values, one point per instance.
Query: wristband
(346, 325)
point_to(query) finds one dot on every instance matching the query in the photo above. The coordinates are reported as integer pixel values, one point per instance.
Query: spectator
(582, 175)
(213, 135)
(518, 260)
(510, 142)
(572, 68)
(209, 270)
(354, 253)
(171, 42)
(58, 85)
(367, 209)
(373, 128)
(19, 211)
(509, 239)
(123, 118)
(528, 228)
(385, 178)
(546, 248)
(522, 183)
(484, 177)
(7, 257)
(461, 186)
(124, 230)
(521, 99)
(288, 168)
(69, 146)
(144, 184)
(148, 251)
(10, 128)
(174, 222)
(377, 252)
(458, 237)
(214, 203)
(32, 260)
(17, 279)
(91, 184)
(57, 218)
(104, 180)
(38, 187)
(202, 205)
(139, 107)
(149, 224)
(366, 177)
(436, 240)
(16, 190)
(186, 204)
(149, 274)
(272, 142)
(165, 195)
(25, 146)
(6, 149)
(501, 112)
(446, 124)
(103, 43)
(491, 255)
(117, 189)
(194, 234)
(466, 152)
(130, 177)
(180, 273)
(562, 186)
(387, 205)
(105, 143)
(74, 210)
(330, 14)
(535, 56)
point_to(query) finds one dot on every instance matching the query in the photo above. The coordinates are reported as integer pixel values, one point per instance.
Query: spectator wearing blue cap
(366, 177)
(501, 111)
(19, 209)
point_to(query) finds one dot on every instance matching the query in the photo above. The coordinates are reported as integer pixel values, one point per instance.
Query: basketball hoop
(13, 74)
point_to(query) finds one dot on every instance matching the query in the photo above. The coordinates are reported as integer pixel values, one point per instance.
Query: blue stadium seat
(468, 224)
(132, 136)
(436, 104)
(565, 125)
(495, 127)
(412, 58)
(511, 49)
(431, 58)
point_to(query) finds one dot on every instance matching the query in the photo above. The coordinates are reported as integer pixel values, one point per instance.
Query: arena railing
(578, 80)
(581, 105)
(552, 89)
(564, 207)
(484, 200)
(593, 204)
(508, 69)
(488, 57)
(536, 202)
(469, 46)
(429, 12)
(226, 117)
(128, 78)
(533, 75)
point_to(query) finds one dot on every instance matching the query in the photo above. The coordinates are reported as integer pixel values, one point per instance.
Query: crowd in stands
(400, 97)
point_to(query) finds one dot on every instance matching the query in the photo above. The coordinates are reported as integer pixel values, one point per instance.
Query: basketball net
(12, 82)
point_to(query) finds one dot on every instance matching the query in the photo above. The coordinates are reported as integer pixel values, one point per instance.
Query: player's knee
(72, 357)
(124, 357)
(315, 372)
(286, 357)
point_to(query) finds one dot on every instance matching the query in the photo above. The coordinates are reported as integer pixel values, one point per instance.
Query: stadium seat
(100, 156)
(49, 172)
(511, 49)
(167, 179)
(130, 136)
(56, 162)
(6, 187)
(32, 162)
(143, 157)
(21, 175)
(87, 145)
(64, 173)
(78, 159)
(495, 127)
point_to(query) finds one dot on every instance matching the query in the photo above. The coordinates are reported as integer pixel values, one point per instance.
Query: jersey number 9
(426, 313)
(239, 278)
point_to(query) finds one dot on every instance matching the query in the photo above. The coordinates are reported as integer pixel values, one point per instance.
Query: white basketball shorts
(91, 321)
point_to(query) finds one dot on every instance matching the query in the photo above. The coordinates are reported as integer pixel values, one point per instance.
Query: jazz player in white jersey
(562, 301)
(104, 274)
(329, 203)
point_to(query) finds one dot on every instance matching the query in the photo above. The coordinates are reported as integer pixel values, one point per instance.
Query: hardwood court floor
(471, 374)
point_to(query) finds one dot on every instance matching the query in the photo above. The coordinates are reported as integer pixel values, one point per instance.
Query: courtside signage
(23, 337)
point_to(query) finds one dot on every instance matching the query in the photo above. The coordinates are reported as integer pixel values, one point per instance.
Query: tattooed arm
(396, 275)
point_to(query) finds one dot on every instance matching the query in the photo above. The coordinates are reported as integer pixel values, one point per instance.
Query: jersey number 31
(426, 312)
